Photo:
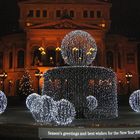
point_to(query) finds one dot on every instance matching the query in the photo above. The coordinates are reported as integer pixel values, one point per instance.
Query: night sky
(125, 16)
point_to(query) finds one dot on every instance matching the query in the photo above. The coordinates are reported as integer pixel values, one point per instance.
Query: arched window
(10, 60)
(59, 59)
(17, 86)
(58, 13)
(36, 57)
(52, 57)
(110, 59)
(98, 14)
(71, 13)
(37, 13)
(20, 59)
(1, 60)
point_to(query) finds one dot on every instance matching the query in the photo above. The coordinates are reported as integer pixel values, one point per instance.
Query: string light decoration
(43, 109)
(36, 109)
(3, 102)
(49, 109)
(78, 48)
(25, 87)
(91, 102)
(30, 99)
(66, 112)
(75, 83)
(134, 101)
(78, 81)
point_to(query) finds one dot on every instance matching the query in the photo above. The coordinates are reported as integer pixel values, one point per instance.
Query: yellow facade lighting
(41, 49)
(89, 53)
(43, 52)
(75, 49)
(92, 49)
(58, 49)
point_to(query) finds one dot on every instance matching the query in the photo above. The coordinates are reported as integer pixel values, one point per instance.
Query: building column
(28, 57)
(58, 45)
(102, 53)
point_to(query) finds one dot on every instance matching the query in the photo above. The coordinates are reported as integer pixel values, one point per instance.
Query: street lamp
(128, 77)
(3, 76)
(119, 86)
(38, 75)
(10, 85)
(58, 50)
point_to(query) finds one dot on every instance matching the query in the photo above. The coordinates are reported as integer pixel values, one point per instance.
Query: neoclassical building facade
(45, 23)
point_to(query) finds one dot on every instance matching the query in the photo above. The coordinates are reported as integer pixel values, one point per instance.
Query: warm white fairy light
(41, 49)
(25, 84)
(58, 49)
(43, 52)
(66, 112)
(78, 44)
(30, 99)
(3, 102)
(134, 101)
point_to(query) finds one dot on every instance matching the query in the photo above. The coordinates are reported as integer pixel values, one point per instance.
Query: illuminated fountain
(92, 90)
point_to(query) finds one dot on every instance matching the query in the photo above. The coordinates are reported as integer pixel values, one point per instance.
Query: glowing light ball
(78, 48)
(92, 102)
(36, 109)
(30, 99)
(3, 102)
(49, 109)
(43, 109)
(134, 101)
(66, 112)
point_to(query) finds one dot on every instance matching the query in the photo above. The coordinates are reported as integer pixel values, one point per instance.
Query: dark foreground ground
(17, 123)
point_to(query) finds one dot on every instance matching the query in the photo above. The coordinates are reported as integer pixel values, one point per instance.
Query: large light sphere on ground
(30, 99)
(92, 102)
(134, 101)
(66, 112)
(36, 109)
(3, 102)
(43, 109)
(49, 109)
(78, 48)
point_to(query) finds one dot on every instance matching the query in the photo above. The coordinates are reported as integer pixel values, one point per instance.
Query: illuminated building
(46, 22)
